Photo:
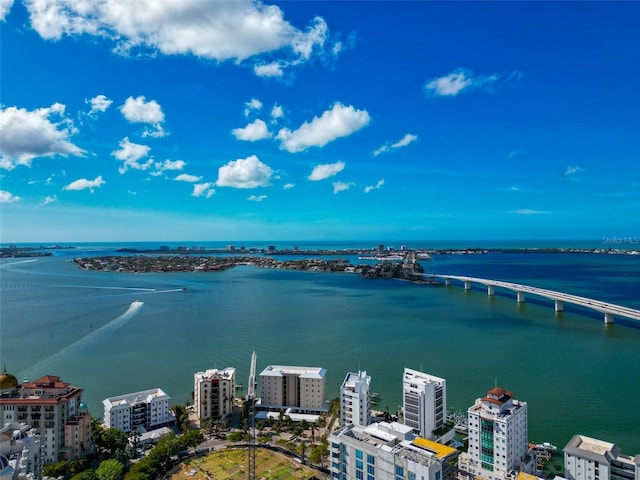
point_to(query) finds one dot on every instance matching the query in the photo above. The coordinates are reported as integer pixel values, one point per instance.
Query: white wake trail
(85, 342)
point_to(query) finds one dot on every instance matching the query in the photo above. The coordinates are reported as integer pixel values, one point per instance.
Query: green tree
(85, 475)
(319, 452)
(182, 417)
(109, 470)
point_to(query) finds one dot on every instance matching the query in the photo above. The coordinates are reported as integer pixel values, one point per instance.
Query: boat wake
(131, 289)
(84, 343)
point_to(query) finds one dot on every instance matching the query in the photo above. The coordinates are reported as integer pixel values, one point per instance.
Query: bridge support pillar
(447, 281)
(559, 306)
(609, 318)
(467, 285)
(491, 290)
(520, 297)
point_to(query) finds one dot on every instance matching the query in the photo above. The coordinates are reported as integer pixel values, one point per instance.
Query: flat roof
(303, 372)
(592, 449)
(440, 450)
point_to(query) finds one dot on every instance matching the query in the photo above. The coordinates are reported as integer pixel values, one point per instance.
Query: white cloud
(257, 198)
(8, 197)
(528, 211)
(572, 170)
(449, 85)
(25, 135)
(203, 190)
(273, 69)
(99, 104)
(288, 186)
(130, 153)
(252, 105)
(50, 199)
(138, 110)
(377, 186)
(462, 80)
(321, 172)
(277, 112)
(316, 34)
(237, 30)
(403, 142)
(341, 187)
(257, 130)
(185, 177)
(337, 122)
(5, 6)
(249, 172)
(84, 184)
(337, 48)
(167, 165)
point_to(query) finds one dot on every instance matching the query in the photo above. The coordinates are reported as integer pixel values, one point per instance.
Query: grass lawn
(232, 465)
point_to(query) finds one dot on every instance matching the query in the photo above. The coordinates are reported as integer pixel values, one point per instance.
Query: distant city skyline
(250, 121)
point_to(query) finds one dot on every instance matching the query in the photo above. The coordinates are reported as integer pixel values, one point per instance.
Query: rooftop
(303, 372)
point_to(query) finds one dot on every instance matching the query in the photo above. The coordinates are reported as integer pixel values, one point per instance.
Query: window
(399, 473)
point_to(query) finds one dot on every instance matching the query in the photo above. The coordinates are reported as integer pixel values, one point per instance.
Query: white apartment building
(214, 392)
(498, 432)
(355, 399)
(19, 452)
(298, 389)
(146, 410)
(587, 458)
(54, 409)
(386, 451)
(424, 402)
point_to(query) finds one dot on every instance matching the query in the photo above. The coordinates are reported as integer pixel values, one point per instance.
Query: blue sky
(172, 120)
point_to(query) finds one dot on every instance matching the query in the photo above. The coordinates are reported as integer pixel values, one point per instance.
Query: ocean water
(114, 333)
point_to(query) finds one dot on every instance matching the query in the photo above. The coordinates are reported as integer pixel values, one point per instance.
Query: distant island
(408, 269)
(13, 251)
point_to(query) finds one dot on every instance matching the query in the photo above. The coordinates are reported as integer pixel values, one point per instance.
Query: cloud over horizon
(339, 121)
(256, 130)
(247, 172)
(84, 184)
(138, 110)
(129, 153)
(321, 172)
(43, 132)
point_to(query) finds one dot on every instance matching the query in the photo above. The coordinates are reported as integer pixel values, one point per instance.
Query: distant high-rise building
(214, 392)
(301, 389)
(148, 409)
(355, 399)
(424, 402)
(587, 458)
(54, 409)
(498, 431)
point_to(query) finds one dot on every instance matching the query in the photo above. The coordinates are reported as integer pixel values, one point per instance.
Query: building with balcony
(587, 458)
(296, 389)
(386, 451)
(54, 409)
(424, 402)
(498, 431)
(214, 392)
(142, 411)
(20, 447)
(355, 399)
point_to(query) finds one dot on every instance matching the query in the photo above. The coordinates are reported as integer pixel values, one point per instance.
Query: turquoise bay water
(577, 375)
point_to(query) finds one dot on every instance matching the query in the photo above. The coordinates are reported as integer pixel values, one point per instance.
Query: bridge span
(609, 310)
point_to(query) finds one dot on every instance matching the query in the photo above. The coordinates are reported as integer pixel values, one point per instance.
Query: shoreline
(412, 272)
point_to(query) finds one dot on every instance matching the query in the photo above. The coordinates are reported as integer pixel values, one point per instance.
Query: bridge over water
(609, 310)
